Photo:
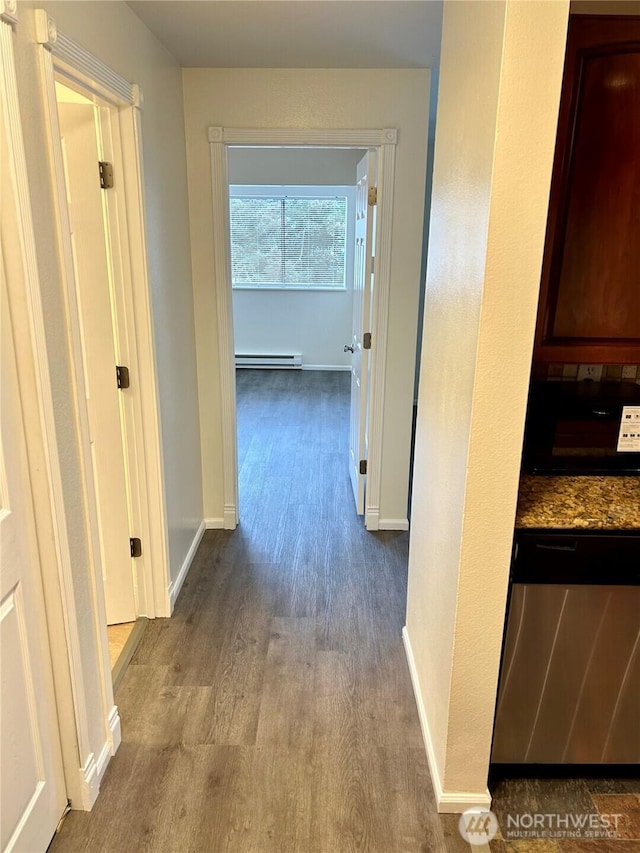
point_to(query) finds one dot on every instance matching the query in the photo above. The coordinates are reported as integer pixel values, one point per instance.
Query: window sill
(290, 288)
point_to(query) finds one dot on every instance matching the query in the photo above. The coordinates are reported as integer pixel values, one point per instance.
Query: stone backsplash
(597, 372)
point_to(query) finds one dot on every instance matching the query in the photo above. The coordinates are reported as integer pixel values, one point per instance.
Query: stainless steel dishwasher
(569, 689)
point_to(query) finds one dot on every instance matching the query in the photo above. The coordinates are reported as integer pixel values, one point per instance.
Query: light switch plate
(590, 371)
(629, 371)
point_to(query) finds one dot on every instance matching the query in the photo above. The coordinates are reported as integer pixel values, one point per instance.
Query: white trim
(381, 291)
(111, 745)
(447, 802)
(99, 618)
(144, 446)
(89, 782)
(314, 138)
(82, 65)
(61, 56)
(153, 506)
(214, 523)
(75, 733)
(226, 348)
(176, 585)
(371, 518)
(393, 524)
(9, 11)
(327, 367)
(115, 729)
(385, 141)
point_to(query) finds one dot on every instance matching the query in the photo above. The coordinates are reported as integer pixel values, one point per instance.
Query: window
(289, 237)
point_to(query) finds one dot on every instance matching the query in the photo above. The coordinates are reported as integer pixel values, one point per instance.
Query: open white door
(32, 782)
(94, 282)
(362, 289)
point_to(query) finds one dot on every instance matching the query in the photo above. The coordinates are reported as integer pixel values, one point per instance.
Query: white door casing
(361, 324)
(32, 782)
(384, 142)
(94, 280)
(85, 756)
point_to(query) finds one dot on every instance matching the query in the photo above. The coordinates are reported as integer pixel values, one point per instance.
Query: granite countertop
(596, 503)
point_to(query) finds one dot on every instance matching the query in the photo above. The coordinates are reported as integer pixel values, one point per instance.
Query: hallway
(274, 711)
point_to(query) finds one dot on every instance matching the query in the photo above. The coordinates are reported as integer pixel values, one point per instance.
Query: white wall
(314, 323)
(498, 101)
(308, 98)
(117, 36)
(314, 166)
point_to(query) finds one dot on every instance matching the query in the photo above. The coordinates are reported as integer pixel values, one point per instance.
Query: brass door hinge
(373, 196)
(106, 175)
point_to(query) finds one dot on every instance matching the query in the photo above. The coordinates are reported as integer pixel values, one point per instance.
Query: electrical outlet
(590, 371)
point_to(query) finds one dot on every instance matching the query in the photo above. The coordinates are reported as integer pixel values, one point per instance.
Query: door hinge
(373, 196)
(363, 466)
(122, 376)
(66, 811)
(136, 547)
(106, 174)
(366, 340)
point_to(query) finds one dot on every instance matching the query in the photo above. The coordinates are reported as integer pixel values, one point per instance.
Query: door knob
(347, 348)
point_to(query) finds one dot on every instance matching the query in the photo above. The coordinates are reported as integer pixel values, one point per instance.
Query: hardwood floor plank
(286, 709)
(274, 711)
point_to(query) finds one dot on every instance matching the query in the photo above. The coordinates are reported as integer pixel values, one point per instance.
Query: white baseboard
(393, 524)
(115, 730)
(230, 518)
(176, 585)
(326, 367)
(103, 759)
(214, 524)
(89, 784)
(372, 519)
(448, 802)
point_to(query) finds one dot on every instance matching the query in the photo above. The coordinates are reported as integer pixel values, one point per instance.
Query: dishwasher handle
(546, 546)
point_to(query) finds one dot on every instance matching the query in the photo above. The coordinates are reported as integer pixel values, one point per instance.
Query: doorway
(382, 143)
(293, 238)
(85, 133)
(93, 155)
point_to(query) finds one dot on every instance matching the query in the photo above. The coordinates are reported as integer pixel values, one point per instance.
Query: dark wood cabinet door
(590, 292)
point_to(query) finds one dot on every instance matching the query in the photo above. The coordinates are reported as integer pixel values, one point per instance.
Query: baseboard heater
(290, 361)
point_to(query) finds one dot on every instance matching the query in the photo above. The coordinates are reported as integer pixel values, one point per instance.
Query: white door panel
(32, 782)
(362, 290)
(92, 263)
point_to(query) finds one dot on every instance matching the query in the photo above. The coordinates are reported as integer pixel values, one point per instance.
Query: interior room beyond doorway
(313, 322)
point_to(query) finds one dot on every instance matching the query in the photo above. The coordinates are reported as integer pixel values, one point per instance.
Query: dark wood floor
(274, 711)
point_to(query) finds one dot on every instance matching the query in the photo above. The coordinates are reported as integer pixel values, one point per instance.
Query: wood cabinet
(590, 292)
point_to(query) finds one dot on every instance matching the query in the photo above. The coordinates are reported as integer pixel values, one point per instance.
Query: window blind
(288, 241)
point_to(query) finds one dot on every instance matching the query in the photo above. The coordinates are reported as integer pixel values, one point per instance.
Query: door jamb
(62, 57)
(384, 140)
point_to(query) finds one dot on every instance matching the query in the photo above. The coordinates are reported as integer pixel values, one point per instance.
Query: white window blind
(288, 241)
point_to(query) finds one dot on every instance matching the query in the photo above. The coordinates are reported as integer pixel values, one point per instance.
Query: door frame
(384, 141)
(62, 58)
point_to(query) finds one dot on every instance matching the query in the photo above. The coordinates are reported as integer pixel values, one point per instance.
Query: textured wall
(309, 98)
(497, 110)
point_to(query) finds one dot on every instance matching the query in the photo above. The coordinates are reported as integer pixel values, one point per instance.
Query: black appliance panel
(572, 428)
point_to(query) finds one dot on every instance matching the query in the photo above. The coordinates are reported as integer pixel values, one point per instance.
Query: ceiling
(297, 33)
